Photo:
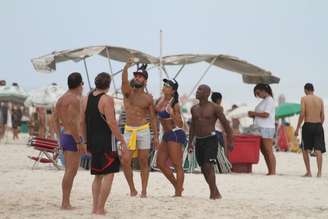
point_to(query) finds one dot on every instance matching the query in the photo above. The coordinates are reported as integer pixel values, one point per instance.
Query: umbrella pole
(179, 71)
(165, 72)
(201, 78)
(86, 72)
(161, 69)
(111, 71)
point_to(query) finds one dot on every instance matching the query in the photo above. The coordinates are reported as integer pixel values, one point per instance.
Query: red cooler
(245, 153)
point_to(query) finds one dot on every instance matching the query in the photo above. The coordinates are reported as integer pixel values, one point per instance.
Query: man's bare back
(312, 113)
(68, 110)
(67, 115)
(313, 108)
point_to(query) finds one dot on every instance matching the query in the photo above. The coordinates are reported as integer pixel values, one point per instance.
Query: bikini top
(164, 114)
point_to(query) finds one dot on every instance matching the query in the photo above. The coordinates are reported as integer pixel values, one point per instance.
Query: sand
(27, 193)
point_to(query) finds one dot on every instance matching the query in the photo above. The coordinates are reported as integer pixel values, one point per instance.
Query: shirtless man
(312, 113)
(138, 105)
(204, 116)
(67, 122)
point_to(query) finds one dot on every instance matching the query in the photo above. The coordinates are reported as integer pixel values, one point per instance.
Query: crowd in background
(15, 118)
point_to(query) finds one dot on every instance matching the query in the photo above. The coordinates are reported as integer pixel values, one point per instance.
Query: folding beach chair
(223, 164)
(189, 160)
(48, 151)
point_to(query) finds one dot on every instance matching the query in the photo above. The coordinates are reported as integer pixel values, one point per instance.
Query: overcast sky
(289, 38)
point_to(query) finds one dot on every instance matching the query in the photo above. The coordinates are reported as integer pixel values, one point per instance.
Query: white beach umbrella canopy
(13, 93)
(45, 97)
(239, 112)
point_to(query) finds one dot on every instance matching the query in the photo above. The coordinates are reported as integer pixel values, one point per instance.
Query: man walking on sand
(204, 116)
(67, 120)
(138, 106)
(312, 113)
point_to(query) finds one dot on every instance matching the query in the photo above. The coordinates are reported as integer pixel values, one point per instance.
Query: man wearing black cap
(138, 106)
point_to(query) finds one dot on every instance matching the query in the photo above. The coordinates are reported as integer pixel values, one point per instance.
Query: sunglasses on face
(166, 85)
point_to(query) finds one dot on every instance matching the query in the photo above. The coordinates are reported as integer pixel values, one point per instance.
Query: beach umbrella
(12, 93)
(239, 112)
(251, 74)
(287, 109)
(45, 97)
(47, 63)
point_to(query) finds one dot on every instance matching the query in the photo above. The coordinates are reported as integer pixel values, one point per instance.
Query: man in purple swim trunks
(67, 119)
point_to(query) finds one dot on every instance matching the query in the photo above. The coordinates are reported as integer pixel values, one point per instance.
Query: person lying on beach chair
(48, 151)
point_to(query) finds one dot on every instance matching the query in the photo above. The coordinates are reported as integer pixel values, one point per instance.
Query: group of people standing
(88, 125)
(10, 118)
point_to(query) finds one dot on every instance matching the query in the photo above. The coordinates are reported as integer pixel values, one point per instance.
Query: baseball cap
(142, 71)
(171, 83)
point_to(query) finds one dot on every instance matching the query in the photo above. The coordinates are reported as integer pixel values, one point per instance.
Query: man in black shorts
(204, 117)
(312, 113)
(99, 128)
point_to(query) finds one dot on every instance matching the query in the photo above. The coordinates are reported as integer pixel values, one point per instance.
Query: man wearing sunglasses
(138, 107)
(67, 124)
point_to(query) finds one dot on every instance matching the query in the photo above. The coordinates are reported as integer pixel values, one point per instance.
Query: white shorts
(267, 132)
(143, 139)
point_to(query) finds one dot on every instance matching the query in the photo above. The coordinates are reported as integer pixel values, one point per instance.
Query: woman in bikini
(171, 146)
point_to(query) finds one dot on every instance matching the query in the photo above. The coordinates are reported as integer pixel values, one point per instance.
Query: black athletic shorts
(207, 149)
(313, 137)
(105, 163)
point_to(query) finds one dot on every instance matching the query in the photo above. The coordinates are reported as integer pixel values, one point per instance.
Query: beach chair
(190, 164)
(48, 151)
(223, 164)
(153, 162)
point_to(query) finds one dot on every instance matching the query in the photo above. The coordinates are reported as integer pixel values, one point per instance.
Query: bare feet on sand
(178, 192)
(215, 196)
(143, 194)
(319, 174)
(134, 193)
(67, 207)
(307, 175)
(100, 212)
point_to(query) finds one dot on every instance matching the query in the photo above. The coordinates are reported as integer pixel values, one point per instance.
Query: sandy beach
(27, 193)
